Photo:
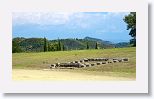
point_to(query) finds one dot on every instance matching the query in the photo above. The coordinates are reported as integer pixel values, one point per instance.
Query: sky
(52, 25)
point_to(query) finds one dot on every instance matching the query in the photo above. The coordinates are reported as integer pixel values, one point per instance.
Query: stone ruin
(87, 62)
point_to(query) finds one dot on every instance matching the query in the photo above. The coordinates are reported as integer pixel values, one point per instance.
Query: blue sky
(52, 25)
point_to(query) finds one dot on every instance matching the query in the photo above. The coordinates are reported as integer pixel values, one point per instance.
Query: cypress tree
(59, 45)
(63, 47)
(45, 44)
(87, 45)
(96, 46)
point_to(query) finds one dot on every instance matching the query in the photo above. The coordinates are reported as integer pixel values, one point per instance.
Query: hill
(21, 44)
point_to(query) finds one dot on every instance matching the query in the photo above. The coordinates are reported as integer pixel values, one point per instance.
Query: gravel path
(21, 74)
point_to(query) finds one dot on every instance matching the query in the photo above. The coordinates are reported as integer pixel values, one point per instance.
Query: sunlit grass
(43, 59)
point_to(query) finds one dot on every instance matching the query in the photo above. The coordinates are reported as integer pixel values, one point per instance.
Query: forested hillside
(21, 44)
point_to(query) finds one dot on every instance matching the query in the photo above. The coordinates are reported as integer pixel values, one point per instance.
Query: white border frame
(9, 86)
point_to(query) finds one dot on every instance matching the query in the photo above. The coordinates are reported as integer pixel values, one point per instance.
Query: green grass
(43, 59)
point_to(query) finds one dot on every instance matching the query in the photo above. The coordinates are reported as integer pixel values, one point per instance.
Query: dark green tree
(45, 45)
(63, 47)
(130, 20)
(15, 47)
(59, 45)
(96, 46)
(49, 47)
(87, 45)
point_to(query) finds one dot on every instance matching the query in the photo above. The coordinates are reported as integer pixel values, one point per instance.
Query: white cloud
(41, 18)
(72, 19)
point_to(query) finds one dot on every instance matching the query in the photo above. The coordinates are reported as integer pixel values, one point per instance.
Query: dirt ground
(21, 74)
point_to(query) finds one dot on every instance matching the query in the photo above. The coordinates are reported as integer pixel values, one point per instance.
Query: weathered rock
(115, 61)
(92, 59)
(85, 60)
(81, 61)
(99, 59)
(105, 59)
(66, 67)
(69, 65)
(76, 61)
(73, 62)
(104, 62)
(96, 59)
(102, 59)
(115, 58)
(52, 66)
(82, 65)
(125, 59)
(57, 64)
(120, 60)
(89, 59)
(110, 61)
(92, 64)
(87, 64)
(98, 63)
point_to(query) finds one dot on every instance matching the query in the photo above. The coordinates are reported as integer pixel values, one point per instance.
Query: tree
(96, 46)
(59, 45)
(87, 45)
(50, 47)
(45, 45)
(130, 19)
(15, 47)
(63, 47)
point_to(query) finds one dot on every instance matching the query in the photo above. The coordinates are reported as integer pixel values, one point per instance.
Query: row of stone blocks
(85, 62)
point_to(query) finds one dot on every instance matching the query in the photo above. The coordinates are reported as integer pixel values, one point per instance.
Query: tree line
(20, 44)
(59, 46)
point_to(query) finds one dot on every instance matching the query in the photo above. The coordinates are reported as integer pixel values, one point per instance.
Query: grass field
(40, 61)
